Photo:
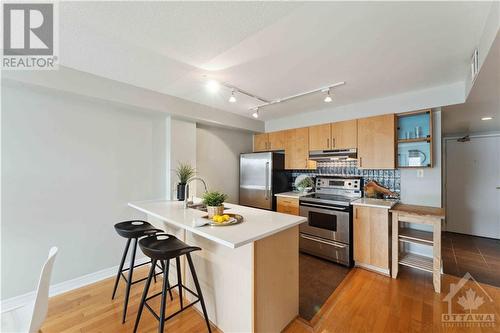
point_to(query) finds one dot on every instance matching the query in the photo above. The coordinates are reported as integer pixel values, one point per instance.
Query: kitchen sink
(202, 207)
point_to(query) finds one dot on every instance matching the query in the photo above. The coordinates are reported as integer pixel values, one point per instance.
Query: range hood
(333, 155)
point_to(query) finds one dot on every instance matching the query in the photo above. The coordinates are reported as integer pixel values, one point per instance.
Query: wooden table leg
(395, 244)
(436, 274)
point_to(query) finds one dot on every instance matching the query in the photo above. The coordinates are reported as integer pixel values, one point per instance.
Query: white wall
(181, 148)
(89, 85)
(485, 41)
(218, 157)
(426, 190)
(69, 167)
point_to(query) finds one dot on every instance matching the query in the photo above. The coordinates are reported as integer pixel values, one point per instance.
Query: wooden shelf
(426, 139)
(416, 261)
(416, 236)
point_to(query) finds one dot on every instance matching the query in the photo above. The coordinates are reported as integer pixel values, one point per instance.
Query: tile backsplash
(387, 178)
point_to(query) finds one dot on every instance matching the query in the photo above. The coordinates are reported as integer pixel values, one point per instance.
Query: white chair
(30, 317)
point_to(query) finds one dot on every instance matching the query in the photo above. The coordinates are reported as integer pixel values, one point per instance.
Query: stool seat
(135, 229)
(163, 246)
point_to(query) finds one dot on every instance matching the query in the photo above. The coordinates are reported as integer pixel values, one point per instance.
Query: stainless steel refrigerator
(262, 175)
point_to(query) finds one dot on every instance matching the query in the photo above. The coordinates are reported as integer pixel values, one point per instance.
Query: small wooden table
(419, 215)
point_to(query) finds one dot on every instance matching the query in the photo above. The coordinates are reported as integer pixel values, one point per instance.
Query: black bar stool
(163, 247)
(133, 230)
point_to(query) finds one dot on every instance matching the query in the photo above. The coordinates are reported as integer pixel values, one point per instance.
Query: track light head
(328, 98)
(256, 113)
(232, 98)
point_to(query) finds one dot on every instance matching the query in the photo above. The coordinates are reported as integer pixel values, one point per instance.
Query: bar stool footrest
(178, 311)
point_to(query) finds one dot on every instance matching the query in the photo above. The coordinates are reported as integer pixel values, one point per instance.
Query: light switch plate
(420, 173)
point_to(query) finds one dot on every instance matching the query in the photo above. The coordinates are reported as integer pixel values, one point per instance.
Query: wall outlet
(420, 173)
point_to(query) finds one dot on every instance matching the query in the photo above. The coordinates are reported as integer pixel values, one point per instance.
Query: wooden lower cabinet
(287, 205)
(372, 238)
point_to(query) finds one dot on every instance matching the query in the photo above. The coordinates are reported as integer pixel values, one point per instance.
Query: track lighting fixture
(232, 99)
(256, 113)
(328, 98)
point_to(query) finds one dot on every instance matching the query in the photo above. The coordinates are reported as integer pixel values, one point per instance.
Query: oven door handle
(325, 207)
(319, 240)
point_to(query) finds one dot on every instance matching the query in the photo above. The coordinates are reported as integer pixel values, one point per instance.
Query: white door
(473, 186)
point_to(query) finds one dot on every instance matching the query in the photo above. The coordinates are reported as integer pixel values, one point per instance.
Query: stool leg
(129, 282)
(179, 280)
(163, 296)
(154, 269)
(168, 283)
(198, 290)
(118, 275)
(144, 295)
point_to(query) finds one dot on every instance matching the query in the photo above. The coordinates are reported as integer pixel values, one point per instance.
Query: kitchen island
(248, 272)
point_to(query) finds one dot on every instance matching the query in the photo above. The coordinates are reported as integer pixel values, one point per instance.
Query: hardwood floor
(90, 309)
(364, 302)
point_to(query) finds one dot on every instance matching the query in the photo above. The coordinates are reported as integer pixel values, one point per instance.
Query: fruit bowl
(229, 220)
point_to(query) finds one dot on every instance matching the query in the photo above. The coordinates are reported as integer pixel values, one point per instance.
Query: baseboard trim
(376, 269)
(65, 286)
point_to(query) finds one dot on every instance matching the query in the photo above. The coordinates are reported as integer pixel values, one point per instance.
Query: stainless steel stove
(328, 230)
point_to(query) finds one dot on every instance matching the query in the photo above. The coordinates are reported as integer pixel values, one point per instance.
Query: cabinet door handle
(328, 143)
(360, 162)
(333, 143)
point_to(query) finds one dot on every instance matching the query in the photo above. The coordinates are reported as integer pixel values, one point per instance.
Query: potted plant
(214, 201)
(305, 184)
(184, 171)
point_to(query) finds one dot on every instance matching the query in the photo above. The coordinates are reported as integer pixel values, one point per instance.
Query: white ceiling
(483, 100)
(273, 49)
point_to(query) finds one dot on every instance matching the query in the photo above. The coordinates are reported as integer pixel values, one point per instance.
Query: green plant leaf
(184, 171)
(214, 198)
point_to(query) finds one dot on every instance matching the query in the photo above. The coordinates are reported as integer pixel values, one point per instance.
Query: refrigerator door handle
(267, 181)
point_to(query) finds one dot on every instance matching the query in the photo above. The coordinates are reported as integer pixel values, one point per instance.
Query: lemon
(220, 219)
(226, 217)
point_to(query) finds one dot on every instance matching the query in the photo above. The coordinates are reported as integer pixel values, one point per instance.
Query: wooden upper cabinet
(320, 137)
(344, 134)
(376, 142)
(297, 149)
(260, 142)
(276, 140)
(269, 141)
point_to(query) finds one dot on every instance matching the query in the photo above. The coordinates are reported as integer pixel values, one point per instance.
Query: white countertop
(292, 194)
(376, 203)
(257, 223)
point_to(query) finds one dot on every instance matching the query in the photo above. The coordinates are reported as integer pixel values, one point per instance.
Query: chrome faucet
(186, 192)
